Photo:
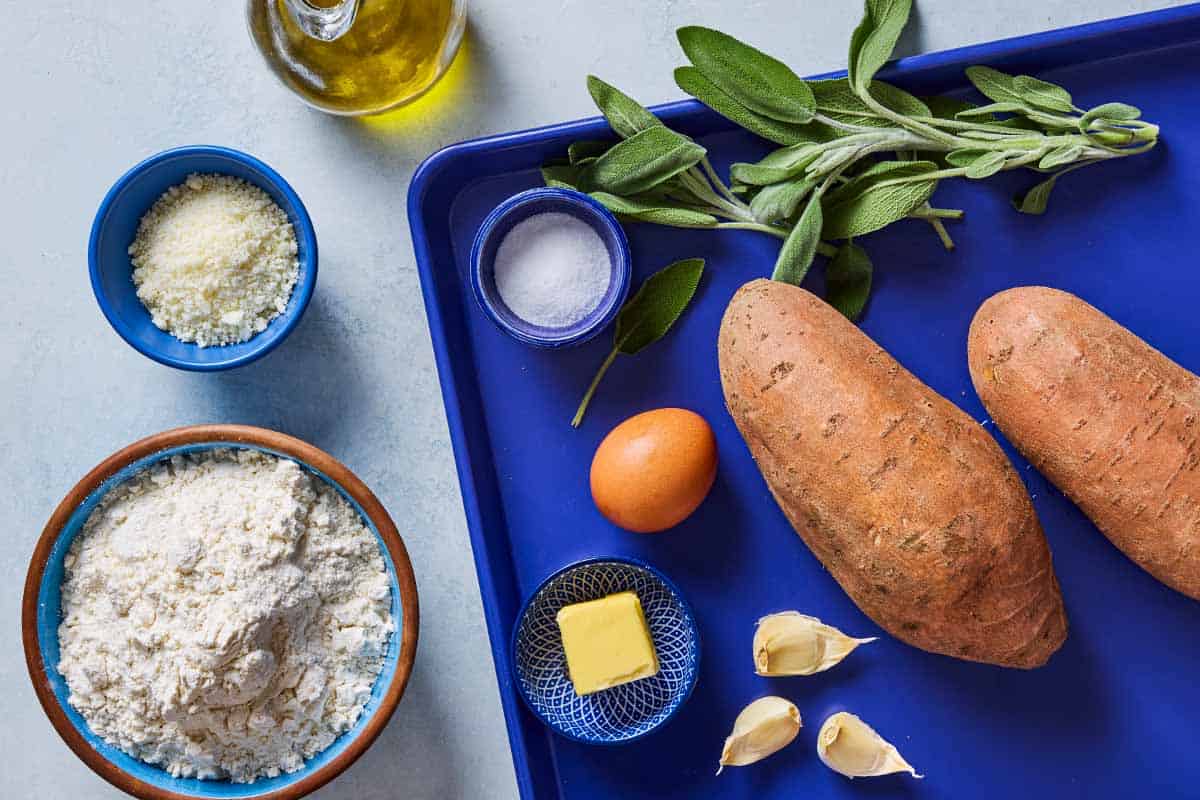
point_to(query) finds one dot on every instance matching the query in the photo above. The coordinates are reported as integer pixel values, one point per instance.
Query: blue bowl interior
(626, 712)
(49, 615)
(538, 201)
(116, 225)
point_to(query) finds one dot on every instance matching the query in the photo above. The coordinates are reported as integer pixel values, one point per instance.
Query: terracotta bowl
(40, 617)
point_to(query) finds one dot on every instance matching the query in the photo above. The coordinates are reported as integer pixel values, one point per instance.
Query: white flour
(225, 615)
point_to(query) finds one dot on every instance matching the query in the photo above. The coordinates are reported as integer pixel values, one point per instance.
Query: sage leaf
(797, 155)
(836, 99)
(752, 78)
(625, 115)
(1049, 122)
(1018, 93)
(654, 210)
(692, 81)
(642, 161)
(756, 175)
(675, 217)
(834, 158)
(848, 280)
(944, 107)
(585, 150)
(1109, 112)
(986, 165)
(994, 84)
(647, 317)
(1028, 123)
(983, 136)
(659, 302)
(875, 38)
(897, 99)
(800, 247)
(1034, 201)
(1060, 156)
(1043, 94)
(877, 171)
(561, 176)
(779, 201)
(778, 165)
(950, 107)
(992, 108)
(870, 202)
(963, 158)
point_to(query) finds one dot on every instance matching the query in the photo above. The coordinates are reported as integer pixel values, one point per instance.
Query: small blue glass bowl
(623, 713)
(520, 207)
(116, 225)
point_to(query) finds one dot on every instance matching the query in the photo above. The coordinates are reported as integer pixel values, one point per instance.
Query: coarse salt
(214, 260)
(552, 269)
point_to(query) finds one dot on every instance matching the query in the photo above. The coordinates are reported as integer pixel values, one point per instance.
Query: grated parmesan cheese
(214, 260)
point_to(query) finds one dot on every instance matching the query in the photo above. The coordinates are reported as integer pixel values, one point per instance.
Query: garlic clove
(791, 643)
(851, 747)
(765, 726)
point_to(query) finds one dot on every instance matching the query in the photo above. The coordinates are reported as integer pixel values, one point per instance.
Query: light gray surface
(94, 87)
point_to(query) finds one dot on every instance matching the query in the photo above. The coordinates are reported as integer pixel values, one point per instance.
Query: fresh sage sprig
(647, 317)
(856, 154)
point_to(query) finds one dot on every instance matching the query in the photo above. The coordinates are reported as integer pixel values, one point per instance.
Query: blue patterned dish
(626, 712)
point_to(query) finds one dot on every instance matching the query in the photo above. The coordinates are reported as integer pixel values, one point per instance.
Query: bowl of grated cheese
(202, 258)
(219, 611)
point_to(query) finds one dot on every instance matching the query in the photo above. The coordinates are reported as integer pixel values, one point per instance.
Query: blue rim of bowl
(601, 215)
(525, 606)
(305, 231)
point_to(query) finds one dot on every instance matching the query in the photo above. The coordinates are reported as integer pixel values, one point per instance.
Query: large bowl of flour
(219, 611)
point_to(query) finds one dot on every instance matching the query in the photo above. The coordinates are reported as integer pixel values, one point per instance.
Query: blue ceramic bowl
(520, 207)
(41, 615)
(116, 225)
(623, 713)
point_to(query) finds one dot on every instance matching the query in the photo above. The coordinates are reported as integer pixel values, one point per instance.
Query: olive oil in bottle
(357, 56)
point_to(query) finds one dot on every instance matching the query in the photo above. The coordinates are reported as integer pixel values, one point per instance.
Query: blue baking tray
(1113, 715)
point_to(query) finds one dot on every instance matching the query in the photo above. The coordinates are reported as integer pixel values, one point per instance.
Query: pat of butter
(607, 642)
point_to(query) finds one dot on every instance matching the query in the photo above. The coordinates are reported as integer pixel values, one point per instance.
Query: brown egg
(654, 469)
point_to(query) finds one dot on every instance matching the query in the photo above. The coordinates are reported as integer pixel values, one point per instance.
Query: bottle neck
(325, 24)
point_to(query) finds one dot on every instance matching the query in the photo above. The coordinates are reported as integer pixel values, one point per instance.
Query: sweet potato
(1108, 419)
(907, 501)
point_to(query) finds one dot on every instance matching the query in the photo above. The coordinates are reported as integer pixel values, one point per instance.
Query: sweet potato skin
(907, 501)
(1108, 419)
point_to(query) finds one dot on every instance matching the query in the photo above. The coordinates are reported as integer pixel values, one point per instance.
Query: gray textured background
(94, 87)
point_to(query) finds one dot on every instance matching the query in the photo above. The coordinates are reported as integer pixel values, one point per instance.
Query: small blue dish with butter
(622, 713)
(550, 267)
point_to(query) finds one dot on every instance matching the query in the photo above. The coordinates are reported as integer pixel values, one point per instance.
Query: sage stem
(928, 212)
(716, 181)
(909, 123)
(942, 233)
(695, 183)
(778, 233)
(591, 390)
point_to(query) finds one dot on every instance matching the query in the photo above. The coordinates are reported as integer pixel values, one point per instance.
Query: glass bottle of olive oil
(357, 56)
